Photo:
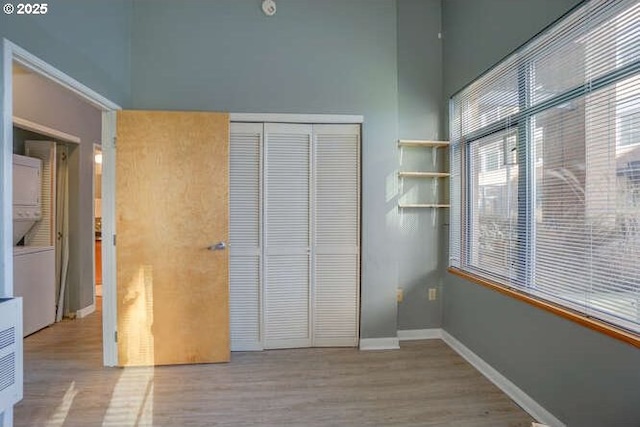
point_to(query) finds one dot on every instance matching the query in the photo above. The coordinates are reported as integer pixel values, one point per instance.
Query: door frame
(10, 53)
(309, 119)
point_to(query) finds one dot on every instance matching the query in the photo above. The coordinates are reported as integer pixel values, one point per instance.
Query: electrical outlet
(399, 295)
(432, 294)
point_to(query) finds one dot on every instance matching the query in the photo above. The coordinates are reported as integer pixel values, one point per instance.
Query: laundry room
(54, 215)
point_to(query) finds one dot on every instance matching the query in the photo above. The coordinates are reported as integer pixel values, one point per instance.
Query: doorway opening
(61, 143)
(97, 221)
(41, 252)
(80, 296)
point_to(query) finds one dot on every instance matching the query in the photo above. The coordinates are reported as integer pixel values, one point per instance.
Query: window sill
(558, 310)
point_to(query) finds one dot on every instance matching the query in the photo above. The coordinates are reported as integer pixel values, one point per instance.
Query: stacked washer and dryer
(33, 266)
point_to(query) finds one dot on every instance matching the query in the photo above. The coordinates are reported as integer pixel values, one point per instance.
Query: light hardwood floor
(423, 384)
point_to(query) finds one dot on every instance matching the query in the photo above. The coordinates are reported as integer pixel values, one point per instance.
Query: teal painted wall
(330, 56)
(87, 39)
(352, 57)
(90, 41)
(419, 117)
(333, 56)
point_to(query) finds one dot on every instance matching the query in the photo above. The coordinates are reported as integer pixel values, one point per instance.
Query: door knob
(220, 246)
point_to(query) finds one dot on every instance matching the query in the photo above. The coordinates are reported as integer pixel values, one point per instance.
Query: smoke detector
(269, 7)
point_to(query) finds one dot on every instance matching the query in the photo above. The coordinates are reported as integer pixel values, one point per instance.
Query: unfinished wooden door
(171, 210)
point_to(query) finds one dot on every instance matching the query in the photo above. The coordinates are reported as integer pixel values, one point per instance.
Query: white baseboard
(379, 343)
(246, 346)
(420, 334)
(84, 312)
(510, 389)
(335, 342)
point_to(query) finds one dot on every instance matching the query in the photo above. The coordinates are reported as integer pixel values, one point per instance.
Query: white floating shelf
(423, 174)
(421, 205)
(421, 143)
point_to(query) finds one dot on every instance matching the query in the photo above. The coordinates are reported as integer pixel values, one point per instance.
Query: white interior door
(287, 207)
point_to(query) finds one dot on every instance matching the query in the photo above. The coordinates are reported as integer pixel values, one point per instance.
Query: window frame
(522, 122)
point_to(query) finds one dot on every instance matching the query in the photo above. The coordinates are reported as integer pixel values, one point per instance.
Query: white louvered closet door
(244, 236)
(337, 235)
(287, 210)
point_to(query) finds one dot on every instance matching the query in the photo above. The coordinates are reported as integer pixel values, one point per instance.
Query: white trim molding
(6, 206)
(84, 312)
(109, 288)
(44, 130)
(296, 118)
(390, 343)
(246, 346)
(420, 334)
(38, 66)
(6, 176)
(525, 401)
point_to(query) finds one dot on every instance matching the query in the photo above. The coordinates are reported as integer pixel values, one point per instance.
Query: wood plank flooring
(423, 384)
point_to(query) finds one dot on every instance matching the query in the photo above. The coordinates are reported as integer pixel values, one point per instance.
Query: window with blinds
(545, 167)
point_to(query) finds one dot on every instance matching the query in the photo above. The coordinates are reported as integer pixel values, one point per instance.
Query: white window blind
(558, 216)
(494, 227)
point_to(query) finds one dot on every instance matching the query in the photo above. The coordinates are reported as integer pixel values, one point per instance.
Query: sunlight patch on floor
(132, 399)
(60, 415)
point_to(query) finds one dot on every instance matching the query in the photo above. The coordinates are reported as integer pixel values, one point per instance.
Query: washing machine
(34, 281)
